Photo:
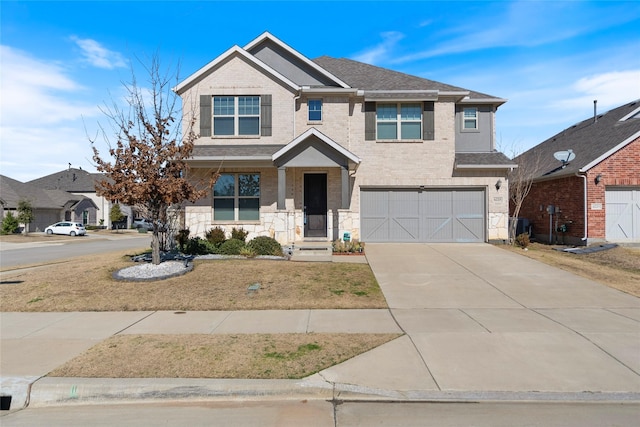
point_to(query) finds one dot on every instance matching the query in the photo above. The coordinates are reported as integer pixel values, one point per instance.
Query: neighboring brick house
(316, 149)
(83, 183)
(49, 205)
(598, 191)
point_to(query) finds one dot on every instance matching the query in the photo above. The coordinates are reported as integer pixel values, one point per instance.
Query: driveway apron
(485, 319)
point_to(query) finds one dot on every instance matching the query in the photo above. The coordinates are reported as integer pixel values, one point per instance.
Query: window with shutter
(398, 121)
(205, 115)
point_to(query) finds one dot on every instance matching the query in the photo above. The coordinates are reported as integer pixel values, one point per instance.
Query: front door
(315, 205)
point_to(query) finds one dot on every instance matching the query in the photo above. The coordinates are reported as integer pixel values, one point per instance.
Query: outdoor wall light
(498, 185)
(598, 178)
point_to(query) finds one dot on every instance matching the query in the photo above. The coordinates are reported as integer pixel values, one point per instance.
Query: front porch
(286, 226)
(292, 193)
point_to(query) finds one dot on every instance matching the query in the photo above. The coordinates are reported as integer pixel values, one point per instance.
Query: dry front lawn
(86, 284)
(618, 268)
(263, 356)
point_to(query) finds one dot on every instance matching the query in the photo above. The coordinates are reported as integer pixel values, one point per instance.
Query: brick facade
(621, 169)
(417, 163)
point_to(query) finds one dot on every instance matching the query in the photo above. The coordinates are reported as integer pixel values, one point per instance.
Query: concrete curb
(72, 391)
(51, 391)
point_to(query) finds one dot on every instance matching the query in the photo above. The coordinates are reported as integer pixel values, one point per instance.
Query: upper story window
(236, 197)
(469, 118)
(399, 121)
(315, 110)
(236, 115)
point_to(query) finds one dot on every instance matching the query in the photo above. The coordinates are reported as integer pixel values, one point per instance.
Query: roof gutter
(584, 191)
(323, 89)
(510, 166)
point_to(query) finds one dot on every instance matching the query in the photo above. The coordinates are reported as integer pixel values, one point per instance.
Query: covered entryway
(429, 215)
(622, 214)
(315, 205)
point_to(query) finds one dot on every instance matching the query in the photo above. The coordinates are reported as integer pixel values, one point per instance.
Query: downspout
(295, 101)
(584, 180)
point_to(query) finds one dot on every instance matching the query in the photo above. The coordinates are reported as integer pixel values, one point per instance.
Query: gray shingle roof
(72, 180)
(235, 151)
(12, 191)
(589, 140)
(369, 77)
(479, 160)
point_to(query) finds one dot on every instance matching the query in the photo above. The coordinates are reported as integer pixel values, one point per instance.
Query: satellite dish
(564, 156)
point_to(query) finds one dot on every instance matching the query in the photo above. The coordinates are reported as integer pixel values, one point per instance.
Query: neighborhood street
(16, 254)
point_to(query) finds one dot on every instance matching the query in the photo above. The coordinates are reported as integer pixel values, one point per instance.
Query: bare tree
(149, 169)
(520, 182)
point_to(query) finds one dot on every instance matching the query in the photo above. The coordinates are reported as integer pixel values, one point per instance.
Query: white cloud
(99, 56)
(381, 51)
(610, 89)
(41, 111)
(36, 92)
(520, 24)
(30, 153)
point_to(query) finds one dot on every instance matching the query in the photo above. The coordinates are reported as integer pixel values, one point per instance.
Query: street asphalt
(479, 324)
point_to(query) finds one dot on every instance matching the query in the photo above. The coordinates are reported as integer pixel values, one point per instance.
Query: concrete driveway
(485, 319)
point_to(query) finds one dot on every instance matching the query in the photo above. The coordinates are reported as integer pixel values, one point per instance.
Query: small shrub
(216, 236)
(239, 234)
(350, 246)
(232, 247)
(199, 246)
(264, 245)
(523, 240)
(10, 223)
(246, 251)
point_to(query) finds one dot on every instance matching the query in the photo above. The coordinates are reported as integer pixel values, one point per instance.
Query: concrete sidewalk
(480, 323)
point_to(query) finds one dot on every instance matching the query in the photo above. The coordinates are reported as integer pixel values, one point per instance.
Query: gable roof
(296, 71)
(322, 137)
(71, 180)
(267, 38)
(592, 140)
(12, 191)
(237, 51)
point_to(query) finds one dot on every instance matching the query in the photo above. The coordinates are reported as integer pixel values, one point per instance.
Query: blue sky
(61, 61)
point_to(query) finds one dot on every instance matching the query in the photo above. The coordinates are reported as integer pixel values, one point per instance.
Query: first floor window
(470, 118)
(236, 115)
(399, 121)
(236, 197)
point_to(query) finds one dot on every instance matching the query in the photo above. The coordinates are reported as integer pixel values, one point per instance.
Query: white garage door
(411, 215)
(622, 214)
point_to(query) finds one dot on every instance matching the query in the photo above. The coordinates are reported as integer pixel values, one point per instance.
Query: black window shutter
(205, 115)
(370, 121)
(265, 115)
(428, 121)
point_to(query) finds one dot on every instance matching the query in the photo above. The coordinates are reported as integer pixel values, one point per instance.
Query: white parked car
(143, 223)
(66, 227)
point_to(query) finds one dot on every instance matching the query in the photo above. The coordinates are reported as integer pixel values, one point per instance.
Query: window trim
(236, 199)
(475, 119)
(309, 110)
(236, 116)
(399, 121)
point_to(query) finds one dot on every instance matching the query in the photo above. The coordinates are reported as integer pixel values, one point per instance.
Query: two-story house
(313, 149)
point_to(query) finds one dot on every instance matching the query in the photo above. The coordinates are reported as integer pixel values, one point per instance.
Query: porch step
(312, 251)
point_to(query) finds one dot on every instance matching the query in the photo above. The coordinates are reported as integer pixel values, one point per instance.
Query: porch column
(282, 187)
(345, 187)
